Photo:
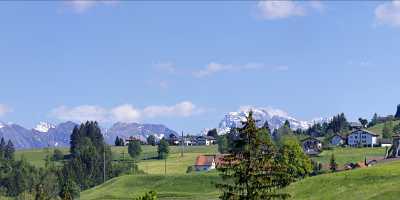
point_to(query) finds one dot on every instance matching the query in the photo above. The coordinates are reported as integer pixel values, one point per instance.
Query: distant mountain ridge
(49, 135)
(275, 117)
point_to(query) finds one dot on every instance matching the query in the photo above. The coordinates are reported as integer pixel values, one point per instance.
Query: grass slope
(378, 182)
(378, 127)
(196, 186)
(346, 155)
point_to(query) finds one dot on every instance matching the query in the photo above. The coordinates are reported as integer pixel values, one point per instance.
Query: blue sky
(187, 64)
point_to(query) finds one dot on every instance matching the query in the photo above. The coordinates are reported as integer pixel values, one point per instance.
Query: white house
(337, 140)
(312, 146)
(362, 138)
(205, 140)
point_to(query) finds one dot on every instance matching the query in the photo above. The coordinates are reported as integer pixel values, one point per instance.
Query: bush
(58, 155)
(151, 195)
(190, 169)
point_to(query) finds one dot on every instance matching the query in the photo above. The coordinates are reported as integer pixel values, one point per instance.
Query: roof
(336, 134)
(367, 131)
(355, 124)
(311, 138)
(203, 160)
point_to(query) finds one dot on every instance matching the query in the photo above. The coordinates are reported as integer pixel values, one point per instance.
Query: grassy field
(374, 183)
(346, 155)
(179, 185)
(196, 186)
(378, 128)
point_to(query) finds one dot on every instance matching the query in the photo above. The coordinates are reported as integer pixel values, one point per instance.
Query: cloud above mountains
(388, 13)
(273, 10)
(124, 113)
(4, 110)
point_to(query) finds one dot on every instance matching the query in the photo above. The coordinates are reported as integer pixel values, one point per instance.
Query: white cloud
(166, 66)
(182, 109)
(280, 9)
(81, 6)
(4, 110)
(81, 113)
(388, 13)
(124, 113)
(214, 67)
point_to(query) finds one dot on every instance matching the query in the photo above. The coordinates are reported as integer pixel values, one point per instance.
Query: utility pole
(165, 166)
(182, 145)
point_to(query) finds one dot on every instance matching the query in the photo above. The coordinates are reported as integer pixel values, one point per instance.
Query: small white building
(337, 140)
(362, 138)
(205, 140)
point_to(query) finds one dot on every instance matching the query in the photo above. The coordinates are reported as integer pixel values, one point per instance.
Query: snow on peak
(2, 124)
(275, 117)
(44, 127)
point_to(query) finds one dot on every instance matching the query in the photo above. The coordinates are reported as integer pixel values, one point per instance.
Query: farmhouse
(337, 140)
(207, 162)
(312, 146)
(205, 140)
(355, 125)
(362, 137)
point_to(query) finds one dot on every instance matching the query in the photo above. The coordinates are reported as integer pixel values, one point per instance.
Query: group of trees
(256, 168)
(119, 141)
(6, 150)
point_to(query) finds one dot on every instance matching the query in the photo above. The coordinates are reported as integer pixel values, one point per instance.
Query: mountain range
(49, 135)
(275, 117)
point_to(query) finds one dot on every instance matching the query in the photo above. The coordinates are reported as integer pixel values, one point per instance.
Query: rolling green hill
(378, 127)
(378, 182)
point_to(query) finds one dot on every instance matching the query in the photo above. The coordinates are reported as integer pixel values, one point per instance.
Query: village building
(362, 138)
(312, 146)
(355, 126)
(337, 140)
(207, 162)
(205, 140)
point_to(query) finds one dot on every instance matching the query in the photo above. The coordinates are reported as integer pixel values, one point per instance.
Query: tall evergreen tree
(2, 148)
(151, 140)
(387, 130)
(252, 170)
(9, 151)
(397, 115)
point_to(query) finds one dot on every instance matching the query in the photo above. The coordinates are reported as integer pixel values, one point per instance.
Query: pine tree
(2, 148)
(252, 170)
(117, 141)
(397, 115)
(9, 151)
(151, 140)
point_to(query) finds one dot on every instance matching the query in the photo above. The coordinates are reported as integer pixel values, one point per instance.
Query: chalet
(131, 139)
(207, 162)
(362, 137)
(173, 140)
(205, 140)
(337, 140)
(312, 146)
(355, 125)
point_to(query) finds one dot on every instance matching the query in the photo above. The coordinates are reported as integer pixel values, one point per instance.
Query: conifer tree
(2, 148)
(251, 170)
(397, 115)
(9, 151)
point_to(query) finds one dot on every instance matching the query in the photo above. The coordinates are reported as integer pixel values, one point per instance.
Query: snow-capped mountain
(48, 135)
(142, 131)
(43, 127)
(275, 117)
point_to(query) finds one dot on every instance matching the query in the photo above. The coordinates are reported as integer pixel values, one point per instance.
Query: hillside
(378, 182)
(378, 127)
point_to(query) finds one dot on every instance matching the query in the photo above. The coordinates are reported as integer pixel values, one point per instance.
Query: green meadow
(378, 182)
